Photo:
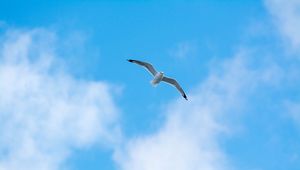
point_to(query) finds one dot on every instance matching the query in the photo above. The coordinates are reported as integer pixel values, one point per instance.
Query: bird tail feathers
(153, 83)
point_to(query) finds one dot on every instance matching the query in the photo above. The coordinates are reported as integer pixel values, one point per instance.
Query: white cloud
(287, 16)
(190, 138)
(44, 111)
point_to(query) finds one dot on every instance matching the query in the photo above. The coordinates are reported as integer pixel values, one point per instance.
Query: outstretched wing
(148, 66)
(175, 83)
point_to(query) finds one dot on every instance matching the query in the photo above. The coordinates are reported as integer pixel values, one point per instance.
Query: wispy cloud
(2, 24)
(287, 16)
(293, 110)
(183, 50)
(190, 137)
(44, 111)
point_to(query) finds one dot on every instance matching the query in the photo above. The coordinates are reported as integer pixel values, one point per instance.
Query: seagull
(159, 76)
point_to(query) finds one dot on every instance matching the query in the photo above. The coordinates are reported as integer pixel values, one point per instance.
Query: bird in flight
(159, 76)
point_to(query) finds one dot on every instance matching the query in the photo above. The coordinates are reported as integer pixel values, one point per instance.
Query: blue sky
(70, 100)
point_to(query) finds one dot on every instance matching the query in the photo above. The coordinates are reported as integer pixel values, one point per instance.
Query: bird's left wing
(175, 83)
(148, 66)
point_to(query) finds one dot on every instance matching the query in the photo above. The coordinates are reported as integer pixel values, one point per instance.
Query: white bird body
(159, 76)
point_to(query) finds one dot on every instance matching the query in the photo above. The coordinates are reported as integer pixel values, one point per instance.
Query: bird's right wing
(175, 83)
(148, 66)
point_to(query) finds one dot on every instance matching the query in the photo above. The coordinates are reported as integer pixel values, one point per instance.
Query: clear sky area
(70, 100)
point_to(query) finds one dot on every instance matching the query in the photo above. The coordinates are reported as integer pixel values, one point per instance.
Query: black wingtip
(184, 96)
(130, 60)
